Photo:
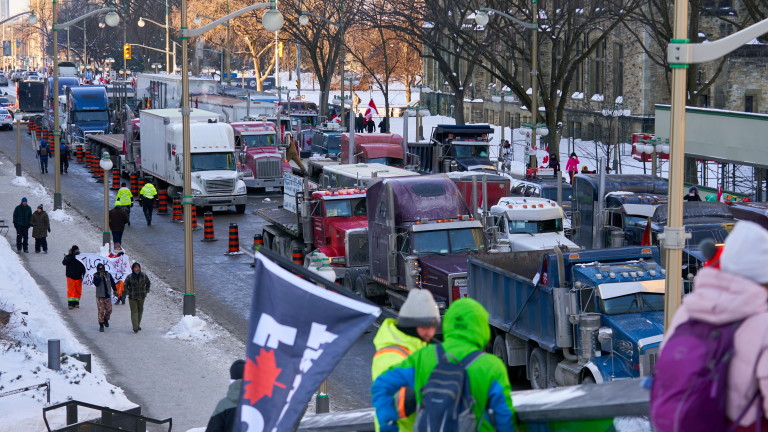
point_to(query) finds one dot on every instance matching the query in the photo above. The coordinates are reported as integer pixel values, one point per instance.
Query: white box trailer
(215, 180)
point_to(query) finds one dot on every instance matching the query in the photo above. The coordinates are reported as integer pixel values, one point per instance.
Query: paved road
(223, 284)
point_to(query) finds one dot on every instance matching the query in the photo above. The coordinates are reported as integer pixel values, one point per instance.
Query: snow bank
(60, 215)
(20, 182)
(190, 328)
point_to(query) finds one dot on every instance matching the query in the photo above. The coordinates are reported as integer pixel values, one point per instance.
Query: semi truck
(87, 112)
(216, 183)
(261, 160)
(530, 224)
(382, 148)
(455, 148)
(420, 232)
(566, 318)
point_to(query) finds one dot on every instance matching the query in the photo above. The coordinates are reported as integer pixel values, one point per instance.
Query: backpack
(446, 399)
(690, 385)
(44, 151)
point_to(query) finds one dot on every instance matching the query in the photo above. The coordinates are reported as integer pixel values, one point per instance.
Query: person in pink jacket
(737, 291)
(572, 166)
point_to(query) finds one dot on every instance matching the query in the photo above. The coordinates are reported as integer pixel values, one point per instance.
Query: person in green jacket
(466, 330)
(124, 199)
(224, 416)
(147, 200)
(415, 327)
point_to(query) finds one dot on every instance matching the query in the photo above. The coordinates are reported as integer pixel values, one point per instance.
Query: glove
(49, 230)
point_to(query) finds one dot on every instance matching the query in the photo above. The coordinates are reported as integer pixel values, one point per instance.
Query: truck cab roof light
(573, 256)
(645, 251)
(612, 275)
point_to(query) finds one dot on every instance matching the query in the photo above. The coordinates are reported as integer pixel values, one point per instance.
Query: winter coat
(554, 163)
(223, 417)
(392, 347)
(572, 164)
(466, 330)
(117, 219)
(720, 298)
(75, 269)
(40, 224)
(105, 286)
(43, 149)
(22, 216)
(124, 197)
(148, 192)
(137, 285)
(370, 126)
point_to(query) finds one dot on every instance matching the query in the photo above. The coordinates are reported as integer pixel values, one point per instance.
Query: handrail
(74, 427)
(47, 383)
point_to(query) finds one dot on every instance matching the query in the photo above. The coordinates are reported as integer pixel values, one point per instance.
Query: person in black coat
(693, 194)
(75, 271)
(359, 123)
(383, 125)
(105, 286)
(371, 126)
(223, 418)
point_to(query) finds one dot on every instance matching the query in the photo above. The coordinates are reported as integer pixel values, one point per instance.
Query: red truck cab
(340, 226)
(261, 161)
(383, 148)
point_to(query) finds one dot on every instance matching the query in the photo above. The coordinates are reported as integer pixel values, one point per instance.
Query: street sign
(229, 75)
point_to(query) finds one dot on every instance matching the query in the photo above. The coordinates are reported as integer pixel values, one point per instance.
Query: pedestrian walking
(554, 163)
(466, 333)
(370, 125)
(572, 165)
(223, 418)
(64, 158)
(124, 200)
(22, 220)
(137, 286)
(414, 328)
(693, 194)
(41, 226)
(359, 123)
(716, 348)
(105, 286)
(147, 196)
(75, 271)
(118, 218)
(42, 155)
(384, 125)
(292, 153)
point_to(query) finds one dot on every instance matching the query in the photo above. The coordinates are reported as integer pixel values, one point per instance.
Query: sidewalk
(167, 376)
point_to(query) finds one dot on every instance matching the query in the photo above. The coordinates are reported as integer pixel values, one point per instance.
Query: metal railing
(46, 384)
(111, 419)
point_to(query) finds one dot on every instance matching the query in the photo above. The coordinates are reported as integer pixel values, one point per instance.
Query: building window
(750, 102)
(576, 130)
(517, 124)
(618, 70)
(597, 69)
(578, 76)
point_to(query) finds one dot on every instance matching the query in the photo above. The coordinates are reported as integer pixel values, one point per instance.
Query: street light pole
(532, 162)
(18, 148)
(168, 66)
(106, 165)
(272, 21)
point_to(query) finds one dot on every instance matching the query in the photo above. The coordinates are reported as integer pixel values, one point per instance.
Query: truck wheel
(240, 208)
(350, 276)
(588, 379)
(500, 349)
(360, 284)
(537, 369)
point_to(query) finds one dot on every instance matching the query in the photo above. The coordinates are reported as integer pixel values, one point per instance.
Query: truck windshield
(387, 161)
(310, 120)
(89, 116)
(345, 208)
(550, 192)
(259, 140)
(213, 161)
(535, 227)
(469, 151)
(333, 142)
(447, 241)
(633, 303)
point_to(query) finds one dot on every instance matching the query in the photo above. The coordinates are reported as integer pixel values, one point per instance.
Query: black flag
(297, 334)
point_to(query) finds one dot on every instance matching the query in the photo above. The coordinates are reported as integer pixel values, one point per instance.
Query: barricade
(142, 182)
(178, 211)
(79, 153)
(258, 242)
(135, 184)
(115, 178)
(208, 234)
(193, 210)
(234, 241)
(298, 256)
(87, 160)
(162, 202)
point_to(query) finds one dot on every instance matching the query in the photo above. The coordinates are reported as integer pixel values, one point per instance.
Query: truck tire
(537, 369)
(500, 349)
(361, 283)
(350, 276)
(588, 379)
(240, 208)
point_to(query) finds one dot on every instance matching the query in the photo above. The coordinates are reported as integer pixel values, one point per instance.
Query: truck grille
(357, 248)
(220, 186)
(269, 168)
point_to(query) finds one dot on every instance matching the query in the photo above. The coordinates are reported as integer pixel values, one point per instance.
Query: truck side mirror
(576, 221)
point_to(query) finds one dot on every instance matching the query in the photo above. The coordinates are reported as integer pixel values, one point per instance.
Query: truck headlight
(197, 191)
(240, 189)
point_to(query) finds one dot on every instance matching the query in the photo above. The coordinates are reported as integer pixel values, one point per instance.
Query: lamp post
(111, 19)
(156, 66)
(505, 95)
(143, 21)
(272, 21)
(417, 111)
(106, 165)
(18, 148)
(482, 18)
(680, 54)
(32, 20)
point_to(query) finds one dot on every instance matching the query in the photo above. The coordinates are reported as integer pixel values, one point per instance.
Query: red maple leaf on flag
(261, 376)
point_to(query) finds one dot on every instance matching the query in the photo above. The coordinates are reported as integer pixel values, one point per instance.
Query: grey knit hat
(419, 310)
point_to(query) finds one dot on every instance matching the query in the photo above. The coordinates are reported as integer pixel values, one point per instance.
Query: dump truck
(455, 148)
(566, 318)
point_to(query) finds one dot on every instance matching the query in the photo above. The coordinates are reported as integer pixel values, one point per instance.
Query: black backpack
(446, 399)
(44, 151)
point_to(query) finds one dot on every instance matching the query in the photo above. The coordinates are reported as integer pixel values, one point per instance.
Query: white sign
(292, 184)
(119, 267)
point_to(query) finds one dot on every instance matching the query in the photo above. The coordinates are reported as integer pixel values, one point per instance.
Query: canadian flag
(369, 113)
(720, 194)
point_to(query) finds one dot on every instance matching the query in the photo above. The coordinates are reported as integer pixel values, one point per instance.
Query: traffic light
(127, 51)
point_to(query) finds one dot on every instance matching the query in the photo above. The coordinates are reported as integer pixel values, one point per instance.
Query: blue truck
(566, 318)
(87, 112)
